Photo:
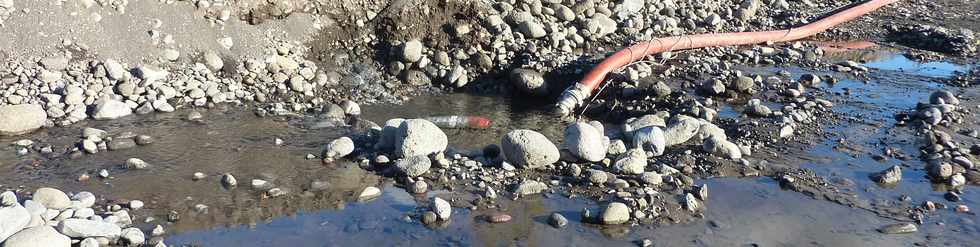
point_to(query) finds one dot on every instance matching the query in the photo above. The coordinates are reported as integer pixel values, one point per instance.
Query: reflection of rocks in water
(854, 51)
(521, 226)
(620, 231)
(246, 207)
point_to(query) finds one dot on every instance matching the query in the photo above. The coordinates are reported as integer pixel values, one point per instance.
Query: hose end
(480, 122)
(573, 97)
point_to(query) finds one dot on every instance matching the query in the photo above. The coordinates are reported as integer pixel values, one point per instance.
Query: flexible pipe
(576, 95)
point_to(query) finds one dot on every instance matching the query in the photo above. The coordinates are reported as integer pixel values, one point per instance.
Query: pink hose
(594, 78)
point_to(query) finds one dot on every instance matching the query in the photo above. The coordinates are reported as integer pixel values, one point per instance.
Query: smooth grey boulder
(585, 142)
(529, 149)
(682, 129)
(419, 137)
(650, 138)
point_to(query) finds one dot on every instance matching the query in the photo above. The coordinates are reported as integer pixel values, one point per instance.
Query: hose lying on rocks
(577, 94)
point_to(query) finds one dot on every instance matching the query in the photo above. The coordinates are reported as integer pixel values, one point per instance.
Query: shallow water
(740, 211)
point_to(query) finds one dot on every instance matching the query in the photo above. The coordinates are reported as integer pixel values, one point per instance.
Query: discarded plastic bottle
(454, 122)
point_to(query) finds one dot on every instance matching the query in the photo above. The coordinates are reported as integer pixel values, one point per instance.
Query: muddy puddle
(320, 208)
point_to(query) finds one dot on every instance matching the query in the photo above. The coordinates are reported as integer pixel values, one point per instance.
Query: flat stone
(899, 228)
(340, 147)
(82, 228)
(369, 193)
(37, 236)
(13, 219)
(530, 187)
(111, 109)
(51, 198)
(21, 119)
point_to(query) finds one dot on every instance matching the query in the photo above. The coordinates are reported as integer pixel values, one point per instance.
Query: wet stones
(442, 208)
(529, 81)
(228, 180)
(891, 175)
(21, 119)
(259, 184)
(429, 217)
(957, 180)
(615, 213)
(939, 171)
(963, 161)
(585, 142)
(529, 187)
(713, 87)
(414, 166)
(755, 108)
(137, 164)
(121, 143)
(744, 84)
(810, 79)
(339, 148)
(529, 149)
(557, 220)
(931, 115)
(419, 137)
(419, 187)
(369, 193)
(498, 217)
(691, 203)
(899, 228)
(942, 97)
(650, 138)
